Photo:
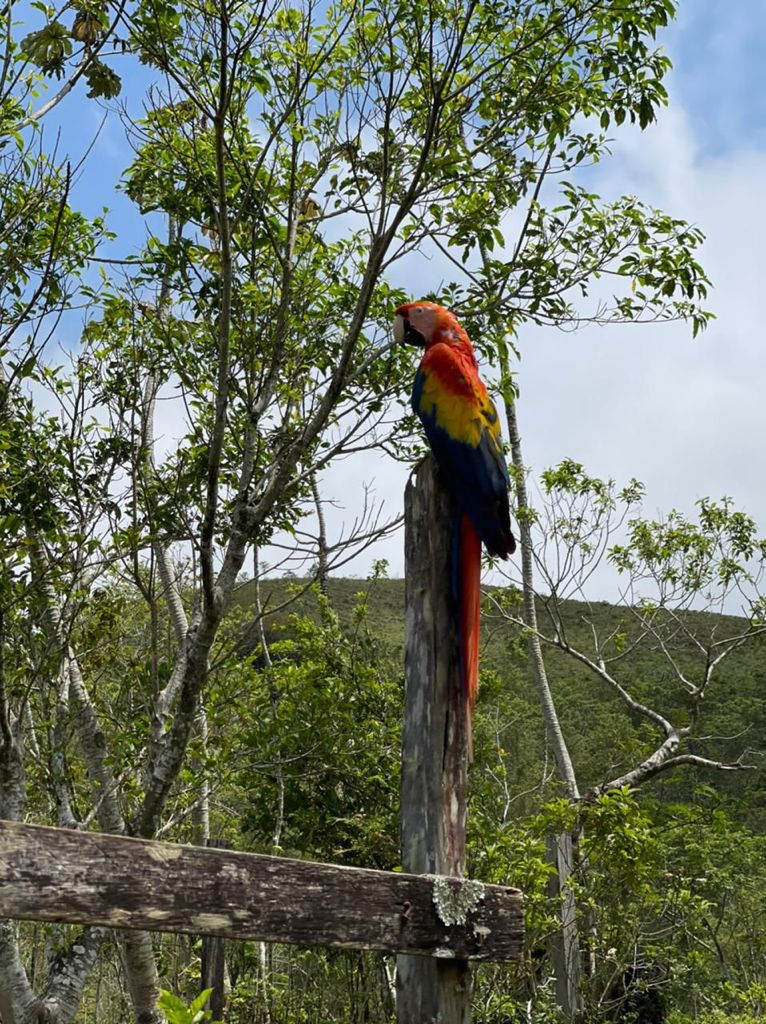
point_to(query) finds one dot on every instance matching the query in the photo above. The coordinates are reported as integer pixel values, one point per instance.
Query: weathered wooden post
(213, 960)
(434, 742)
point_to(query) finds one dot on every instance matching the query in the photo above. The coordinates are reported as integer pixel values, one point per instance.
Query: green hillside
(670, 877)
(605, 738)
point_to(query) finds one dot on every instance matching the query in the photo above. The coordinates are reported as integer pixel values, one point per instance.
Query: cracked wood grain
(435, 742)
(51, 874)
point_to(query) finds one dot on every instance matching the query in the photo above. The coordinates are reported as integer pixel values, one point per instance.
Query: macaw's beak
(405, 333)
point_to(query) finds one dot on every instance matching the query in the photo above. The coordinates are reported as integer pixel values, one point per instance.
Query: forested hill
(605, 738)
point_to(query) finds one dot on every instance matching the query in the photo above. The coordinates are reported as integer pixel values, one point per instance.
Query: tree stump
(434, 742)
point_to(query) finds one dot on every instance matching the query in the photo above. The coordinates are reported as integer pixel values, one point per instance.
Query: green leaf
(102, 80)
(48, 48)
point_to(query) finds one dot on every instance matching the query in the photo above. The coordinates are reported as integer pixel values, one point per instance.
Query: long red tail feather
(469, 591)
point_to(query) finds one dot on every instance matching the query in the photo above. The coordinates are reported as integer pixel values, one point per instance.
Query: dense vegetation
(601, 735)
(672, 889)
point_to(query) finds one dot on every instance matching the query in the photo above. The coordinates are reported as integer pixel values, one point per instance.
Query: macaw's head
(425, 323)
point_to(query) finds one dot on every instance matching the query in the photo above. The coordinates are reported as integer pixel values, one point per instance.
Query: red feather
(469, 601)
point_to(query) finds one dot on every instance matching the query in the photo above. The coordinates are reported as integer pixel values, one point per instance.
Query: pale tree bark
(322, 572)
(12, 775)
(12, 791)
(265, 959)
(170, 590)
(17, 998)
(171, 594)
(69, 973)
(212, 952)
(279, 816)
(201, 810)
(56, 741)
(140, 966)
(141, 976)
(16, 994)
(166, 698)
(94, 748)
(524, 514)
(565, 943)
(561, 850)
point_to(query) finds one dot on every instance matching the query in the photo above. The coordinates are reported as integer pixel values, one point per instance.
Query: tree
(298, 155)
(680, 579)
(677, 573)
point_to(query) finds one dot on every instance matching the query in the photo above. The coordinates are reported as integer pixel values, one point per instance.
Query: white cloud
(686, 416)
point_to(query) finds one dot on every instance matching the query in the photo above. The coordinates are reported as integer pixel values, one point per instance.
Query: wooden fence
(433, 918)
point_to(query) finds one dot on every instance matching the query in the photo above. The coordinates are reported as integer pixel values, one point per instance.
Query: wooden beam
(52, 874)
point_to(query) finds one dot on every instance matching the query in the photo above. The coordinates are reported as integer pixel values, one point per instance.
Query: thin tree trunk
(534, 648)
(141, 976)
(322, 572)
(16, 994)
(565, 944)
(565, 948)
(264, 949)
(212, 948)
(201, 811)
(69, 973)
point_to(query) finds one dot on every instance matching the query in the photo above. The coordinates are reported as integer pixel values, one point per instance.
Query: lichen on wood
(455, 901)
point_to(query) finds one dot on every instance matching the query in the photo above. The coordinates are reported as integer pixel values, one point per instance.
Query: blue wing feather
(477, 476)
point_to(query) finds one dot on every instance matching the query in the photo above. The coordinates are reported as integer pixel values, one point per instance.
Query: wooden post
(434, 742)
(213, 960)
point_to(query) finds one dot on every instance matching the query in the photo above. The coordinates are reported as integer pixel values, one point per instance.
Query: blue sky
(687, 417)
(717, 51)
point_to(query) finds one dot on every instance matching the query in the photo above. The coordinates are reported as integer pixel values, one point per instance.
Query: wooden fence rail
(51, 874)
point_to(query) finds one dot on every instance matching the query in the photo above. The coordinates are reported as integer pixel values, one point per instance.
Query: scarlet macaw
(463, 430)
